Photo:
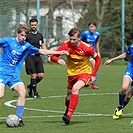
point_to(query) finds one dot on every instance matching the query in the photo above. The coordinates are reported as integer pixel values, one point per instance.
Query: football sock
(67, 102)
(19, 111)
(121, 99)
(33, 85)
(96, 79)
(38, 80)
(67, 105)
(125, 103)
(72, 105)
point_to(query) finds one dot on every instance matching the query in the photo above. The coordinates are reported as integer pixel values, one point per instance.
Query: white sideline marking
(61, 112)
(59, 116)
(93, 94)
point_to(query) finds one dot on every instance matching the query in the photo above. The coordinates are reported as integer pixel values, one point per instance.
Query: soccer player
(34, 64)
(14, 51)
(127, 80)
(78, 69)
(91, 36)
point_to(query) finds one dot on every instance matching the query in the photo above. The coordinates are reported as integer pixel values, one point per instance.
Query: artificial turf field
(92, 115)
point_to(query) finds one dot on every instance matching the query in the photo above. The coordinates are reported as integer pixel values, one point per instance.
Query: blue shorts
(129, 73)
(9, 80)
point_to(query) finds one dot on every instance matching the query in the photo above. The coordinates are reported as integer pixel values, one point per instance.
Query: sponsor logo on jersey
(23, 47)
(95, 37)
(81, 51)
(14, 52)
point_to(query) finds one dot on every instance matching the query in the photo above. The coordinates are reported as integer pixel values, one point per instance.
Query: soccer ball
(12, 120)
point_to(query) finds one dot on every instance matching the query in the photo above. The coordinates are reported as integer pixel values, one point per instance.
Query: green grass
(92, 115)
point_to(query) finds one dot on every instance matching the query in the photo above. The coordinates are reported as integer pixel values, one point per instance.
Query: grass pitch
(92, 115)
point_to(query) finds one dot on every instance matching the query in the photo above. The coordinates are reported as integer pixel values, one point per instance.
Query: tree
(107, 15)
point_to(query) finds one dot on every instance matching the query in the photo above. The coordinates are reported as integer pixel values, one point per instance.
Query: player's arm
(97, 63)
(96, 66)
(43, 46)
(55, 58)
(3, 41)
(98, 48)
(51, 52)
(119, 57)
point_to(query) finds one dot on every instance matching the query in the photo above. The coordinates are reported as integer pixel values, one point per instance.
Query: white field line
(9, 104)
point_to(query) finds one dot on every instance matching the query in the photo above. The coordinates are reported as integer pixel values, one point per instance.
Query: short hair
(33, 20)
(74, 31)
(92, 23)
(23, 27)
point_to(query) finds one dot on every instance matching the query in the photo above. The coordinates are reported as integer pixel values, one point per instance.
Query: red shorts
(73, 79)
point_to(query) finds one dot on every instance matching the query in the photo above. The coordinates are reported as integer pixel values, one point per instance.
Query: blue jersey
(13, 55)
(90, 38)
(129, 70)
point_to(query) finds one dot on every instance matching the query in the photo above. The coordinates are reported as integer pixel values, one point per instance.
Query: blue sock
(121, 99)
(96, 78)
(125, 103)
(19, 111)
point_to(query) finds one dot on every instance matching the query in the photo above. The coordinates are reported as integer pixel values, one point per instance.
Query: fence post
(38, 13)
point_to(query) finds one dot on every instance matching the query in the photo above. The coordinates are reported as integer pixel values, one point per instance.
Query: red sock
(67, 105)
(72, 105)
(67, 102)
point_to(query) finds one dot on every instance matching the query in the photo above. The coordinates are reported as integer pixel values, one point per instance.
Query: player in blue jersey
(91, 36)
(14, 51)
(127, 80)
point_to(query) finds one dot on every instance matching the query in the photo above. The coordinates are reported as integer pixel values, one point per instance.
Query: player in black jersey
(34, 64)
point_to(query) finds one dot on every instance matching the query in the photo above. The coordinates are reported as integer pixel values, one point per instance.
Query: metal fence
(54, 20)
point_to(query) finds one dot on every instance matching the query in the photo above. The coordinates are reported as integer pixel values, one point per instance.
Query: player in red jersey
(79, 69)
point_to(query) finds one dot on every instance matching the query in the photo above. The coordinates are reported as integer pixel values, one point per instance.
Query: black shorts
(34, 64)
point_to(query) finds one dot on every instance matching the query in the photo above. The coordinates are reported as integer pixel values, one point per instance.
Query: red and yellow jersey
(78, 58)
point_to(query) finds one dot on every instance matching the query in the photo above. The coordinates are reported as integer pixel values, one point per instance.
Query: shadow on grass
(63, 124)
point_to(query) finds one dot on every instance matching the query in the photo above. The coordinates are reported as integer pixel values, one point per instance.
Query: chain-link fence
(55, 18)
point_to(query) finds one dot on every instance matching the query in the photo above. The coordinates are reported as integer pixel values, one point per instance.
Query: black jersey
(36, 39)
(34, 64)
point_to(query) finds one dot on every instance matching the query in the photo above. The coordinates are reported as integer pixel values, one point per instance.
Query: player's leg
(39, 69)
(73, 101)
(3, 82)
(75, 96)
(71, 82)
(2, 90)
(128, 96)
(20, 89)
(33, 85)
(39, 75)
(67, 100)
(76, 83)
(30, 69)
(122, 94)
(93, 64)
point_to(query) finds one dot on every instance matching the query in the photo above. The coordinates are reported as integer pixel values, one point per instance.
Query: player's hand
(64, 52)
(49, 58)
(107, 62)
(99, 55)
(61, 62)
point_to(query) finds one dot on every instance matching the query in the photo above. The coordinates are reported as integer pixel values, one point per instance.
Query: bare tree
(100, 11)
